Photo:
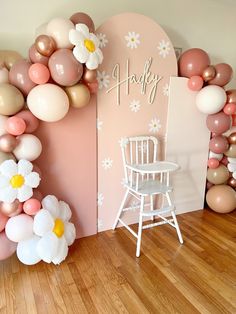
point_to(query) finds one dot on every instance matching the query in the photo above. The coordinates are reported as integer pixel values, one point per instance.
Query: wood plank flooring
(102, 274)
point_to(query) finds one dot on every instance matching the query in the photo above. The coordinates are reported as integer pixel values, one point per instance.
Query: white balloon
(59, 29)
(48, 102)
(29, 147)
(231, 167)
(41, 30)
(19, 228)
(232, 160)
(211, 99)
(26, 251)
(216, 156)
(3, 120)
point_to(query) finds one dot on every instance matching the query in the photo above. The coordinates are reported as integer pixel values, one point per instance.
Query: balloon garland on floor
(60, 72)
(220, 106)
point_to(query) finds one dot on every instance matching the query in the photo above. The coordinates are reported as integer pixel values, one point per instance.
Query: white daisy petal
(50, 203)
(8, 168)
(70, 233)
(24, 193)
(95, 40)
(99, 54)
(81, 53)
(82, 28)
(62, 251)
(75, 36)
(92, 62)
(32, 179)
(24, 167)
(47, 247)
(43, 222)
(8, 194)
(4, 182)
(65, 212)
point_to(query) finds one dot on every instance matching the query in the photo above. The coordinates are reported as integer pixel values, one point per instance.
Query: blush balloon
(230, 109)
(31, 121)
(15, 125)
(93, 87)
(7, 246)
(37, 57)
(219, 144)
(213, 163)
(32, 206)
(39, 73)
(83, 18)
(224, 73)
(221, 199)
(195, 83)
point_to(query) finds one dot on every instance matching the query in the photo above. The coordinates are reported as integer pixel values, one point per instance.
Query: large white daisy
(86, 48)
(52, 224)
(17, 180)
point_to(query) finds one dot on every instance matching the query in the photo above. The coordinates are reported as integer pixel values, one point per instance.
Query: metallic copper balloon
(231, 96)
(45, 45)
(209, 73)
(232, 138)
(11, 209)
(8, 143)
(231, 152)
(90, 76)
(232, 182)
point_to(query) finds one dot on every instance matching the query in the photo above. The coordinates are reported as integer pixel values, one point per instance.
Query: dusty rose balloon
(31, 121)
(59, 29)
(221, 199)
(39, 73)
(224, 161)
(15, 125)
(90, 76)
(218, 175)
(219, 144)
(19, 76)
(10, 209)
(37, 57)
(7, 246)
(3, 221)
(231, 152)
(213, 163)
(209, 73)
(193, 62)
(83, 18)
(231, 96)
(6, 156)
(32, 206)
(45, 45)
(79, 95)
(232, 182)
(232, 138)
(234, 120)
(8, 143)
(65, 69)
(218, 122)
(11, 99)
(4, 75)
(224, 73)
(230, 109)
(195, 83)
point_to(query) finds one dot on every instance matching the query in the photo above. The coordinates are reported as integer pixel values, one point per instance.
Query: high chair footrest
(163, 210)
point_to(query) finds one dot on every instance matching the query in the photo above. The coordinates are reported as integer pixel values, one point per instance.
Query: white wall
(208, 24)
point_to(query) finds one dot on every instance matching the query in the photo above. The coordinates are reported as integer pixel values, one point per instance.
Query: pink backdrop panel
(68, 164)
(132, 100)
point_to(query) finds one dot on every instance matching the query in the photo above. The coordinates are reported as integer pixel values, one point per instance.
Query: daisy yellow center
(17, 181)
(89, 44)
(58, 228)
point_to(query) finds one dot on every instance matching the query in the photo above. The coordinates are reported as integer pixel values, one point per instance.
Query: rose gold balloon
(11, 209)
(8, 143)
(232, 182)
(232, 138)
(231, 96)
(45, 45)
(90, 76)
(209, 73)
(221, 199)
(37, 57)
(79, 95)
(6, 156)
(231, 152)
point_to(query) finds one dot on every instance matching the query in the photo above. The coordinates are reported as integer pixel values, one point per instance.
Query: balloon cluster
(60, 72)
(220, 106)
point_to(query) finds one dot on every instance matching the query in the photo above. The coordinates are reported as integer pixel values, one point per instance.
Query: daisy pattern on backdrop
(107, 163)
(100, 199)
(99, 124)
(103, 79)
(103, 41)
(154, 125)
(164, 48)
(132, 40)
(165, 89)
(135, 105)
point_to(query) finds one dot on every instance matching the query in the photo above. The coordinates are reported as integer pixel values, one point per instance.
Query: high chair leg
(140, 227)
(177, 227)
(120, 209)
(152, 206)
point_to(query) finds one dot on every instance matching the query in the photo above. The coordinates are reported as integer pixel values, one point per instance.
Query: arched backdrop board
(133, 46)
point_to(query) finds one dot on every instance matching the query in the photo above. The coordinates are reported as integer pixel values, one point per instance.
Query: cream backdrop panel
(132, 100)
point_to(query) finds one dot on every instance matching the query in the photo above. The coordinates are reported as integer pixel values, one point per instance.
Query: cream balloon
(211, 99)
(59, 29)
(3, 120)
(19, 228)
(48, 102)
(29, 147)
(4, 75)
(41, 30)
(11, 99)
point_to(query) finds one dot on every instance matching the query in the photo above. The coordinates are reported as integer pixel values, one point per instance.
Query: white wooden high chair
(145, 177)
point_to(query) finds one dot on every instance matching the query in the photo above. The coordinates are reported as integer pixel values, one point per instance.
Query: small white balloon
(3, 120)
(216, 156)
(211, 99)
(4, 75)
(29, 147)
(232, 160)
(19, 228)
(231, 167)
(59, 29)
(26, 251)
(41, 30)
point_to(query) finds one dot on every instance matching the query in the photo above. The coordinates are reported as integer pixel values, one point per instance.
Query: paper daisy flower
(103, 79)
(165, 90)
(99, 124)
(135, 105)
(164, 48)
(154, 125)
(107, 163)
(17, 180)
(132, 40)
(86, 48)
(100, 199)
(102, 40)
(52, 224)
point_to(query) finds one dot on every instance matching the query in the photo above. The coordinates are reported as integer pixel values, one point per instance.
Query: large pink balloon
(7, 247)
(219, 144)
(224, 74)
(31, 121)
(193, 62)
(219, 122)
(83, 18)
(19, 76)
(65, 69)
(36, 57)
(3, 221)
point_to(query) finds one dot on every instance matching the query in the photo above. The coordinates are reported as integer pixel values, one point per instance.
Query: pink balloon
(39, 73)
(195, 83)
(213, 163)
(31, 206)
(36, 57)
(219, 144)
(15, 125)
(3, 221)
(218, 122)
(19, 77)
(31, 121)
(230, 109)
(8, 247)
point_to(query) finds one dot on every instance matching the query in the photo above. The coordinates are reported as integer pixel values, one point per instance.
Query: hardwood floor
(102, 274)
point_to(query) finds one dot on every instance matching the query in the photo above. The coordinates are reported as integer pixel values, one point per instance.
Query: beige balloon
(231, 152)
(218, 175)
(221, 199)
(79, 95)
(6, 156)
(9, 57)
(11, 99)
